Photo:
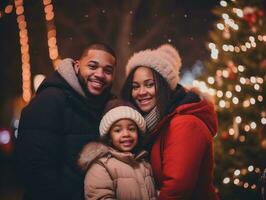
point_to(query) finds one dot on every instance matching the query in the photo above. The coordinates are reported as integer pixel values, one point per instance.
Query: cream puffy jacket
(116, 175)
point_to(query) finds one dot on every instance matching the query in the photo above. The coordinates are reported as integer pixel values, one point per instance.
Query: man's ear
(76, 66)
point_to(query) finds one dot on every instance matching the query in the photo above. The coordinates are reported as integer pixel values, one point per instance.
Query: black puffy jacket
(53, 128)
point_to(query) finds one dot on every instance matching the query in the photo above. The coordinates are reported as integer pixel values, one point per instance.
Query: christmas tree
(236, 77)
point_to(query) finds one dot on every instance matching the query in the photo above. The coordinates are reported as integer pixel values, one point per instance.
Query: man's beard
(83, 84)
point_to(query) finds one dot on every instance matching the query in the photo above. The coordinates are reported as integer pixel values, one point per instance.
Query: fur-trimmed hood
(94, 151)
(66, 70)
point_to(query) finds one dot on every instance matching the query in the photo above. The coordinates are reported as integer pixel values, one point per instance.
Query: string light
(226, 180)
(237, 172)
(51, 32)
(263, 120)
(228, 94)
(241, 68)
(238, 119)
(238, 88)
(223, 3)
(253, 125)
(211, 80)
(222, 103)
(236, 181)
(220, 94)
(25, 57)
(250, 168)
(235, 100)
(242, 138)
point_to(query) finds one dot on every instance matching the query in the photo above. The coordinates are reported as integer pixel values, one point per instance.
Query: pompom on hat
(165, 60)
(117, 109)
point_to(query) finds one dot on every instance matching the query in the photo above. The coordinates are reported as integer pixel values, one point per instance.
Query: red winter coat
(182, 155)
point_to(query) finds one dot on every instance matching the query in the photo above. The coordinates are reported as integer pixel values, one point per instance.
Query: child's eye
(132, 129)
(117, 130)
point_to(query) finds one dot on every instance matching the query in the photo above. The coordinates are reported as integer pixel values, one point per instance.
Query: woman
(181, 125)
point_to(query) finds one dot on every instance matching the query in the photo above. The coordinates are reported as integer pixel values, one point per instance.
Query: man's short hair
(98, 46)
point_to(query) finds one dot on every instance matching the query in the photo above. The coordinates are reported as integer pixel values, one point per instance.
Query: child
(117, 169)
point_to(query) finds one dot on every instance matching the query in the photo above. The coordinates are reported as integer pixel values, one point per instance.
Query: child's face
(124, 135)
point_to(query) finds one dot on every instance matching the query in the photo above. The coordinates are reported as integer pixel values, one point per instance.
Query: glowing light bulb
(222, 103)
(236, 181)
(226, 180)
(250, 168)
(252, 100)
(237, 172)
(237, 49)
(228, 94)
(241, 68)
(238, 119)
(211, 80)
(263, 120)
(248, 45)
(256, 86)
(260, 98)
(259, 80)
(225, 16)
(235, 100)
(247, 128)
(225, 74)
(253, 79)
(238, 88)
(253, 125)
(212, 45)
(225, 47)
(220, 94)
(242, 138)
(231, 131)
(251, 39)
(246, 185)
(223, 3)
(220, 26)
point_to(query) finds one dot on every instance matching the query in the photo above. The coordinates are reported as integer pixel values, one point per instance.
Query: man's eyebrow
(92, 61)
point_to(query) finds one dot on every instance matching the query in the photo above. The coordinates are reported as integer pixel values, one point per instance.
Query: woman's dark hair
(163, 91)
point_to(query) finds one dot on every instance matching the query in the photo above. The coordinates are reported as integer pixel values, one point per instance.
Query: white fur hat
(116, 110)
(165, 60)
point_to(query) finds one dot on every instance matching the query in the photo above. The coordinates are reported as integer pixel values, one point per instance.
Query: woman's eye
(149, 85)
(134, 87)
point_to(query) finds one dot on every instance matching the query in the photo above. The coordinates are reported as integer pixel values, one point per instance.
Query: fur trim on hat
(121, 112)
(171, 51)
(157, 60)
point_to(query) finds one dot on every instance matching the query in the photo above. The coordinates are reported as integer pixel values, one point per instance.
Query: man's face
(95, 71)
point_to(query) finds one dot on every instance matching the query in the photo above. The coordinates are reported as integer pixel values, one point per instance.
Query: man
(62, 117)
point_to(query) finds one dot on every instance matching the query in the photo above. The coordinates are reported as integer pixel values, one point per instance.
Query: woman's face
(143, 89)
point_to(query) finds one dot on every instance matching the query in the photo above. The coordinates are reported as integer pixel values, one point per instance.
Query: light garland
(25, 57)
(51, 32)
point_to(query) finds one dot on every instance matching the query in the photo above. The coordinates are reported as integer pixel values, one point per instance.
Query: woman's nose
(142, 90)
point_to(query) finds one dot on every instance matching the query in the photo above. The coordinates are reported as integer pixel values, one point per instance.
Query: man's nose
(99, 73)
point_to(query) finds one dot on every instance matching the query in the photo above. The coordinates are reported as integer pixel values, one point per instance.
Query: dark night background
(184, 23)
